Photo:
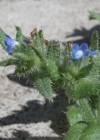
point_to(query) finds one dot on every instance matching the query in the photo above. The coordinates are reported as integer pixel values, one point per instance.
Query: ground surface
(24, 114)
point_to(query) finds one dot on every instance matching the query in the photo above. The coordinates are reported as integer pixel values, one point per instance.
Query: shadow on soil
(35, 112)
(22, 81)
(84, 33)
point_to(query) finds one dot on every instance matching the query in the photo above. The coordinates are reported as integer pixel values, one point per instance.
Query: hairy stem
(98, 109)
(87, 110)
(37, 52)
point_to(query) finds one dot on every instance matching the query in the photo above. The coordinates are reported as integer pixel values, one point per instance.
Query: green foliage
(75, 131)
(98, 109)
(74, 115)
(92, 132)
(19, 36)
(2, 38)
(83, 88)
(7, 62)
(44, 86)
(86, 108)
(94, 15)
(82, 82)
(53, 51)
(33, 60)
(51, 67)
(38, 42)
(95, 40)
(82, 131)
(84, 71)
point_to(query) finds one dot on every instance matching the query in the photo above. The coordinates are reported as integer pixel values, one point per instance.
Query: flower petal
(74, 55)
(75, 47)
(9, 49)
(10, 43)
(94, 52)
(86, 53)
(84, 47)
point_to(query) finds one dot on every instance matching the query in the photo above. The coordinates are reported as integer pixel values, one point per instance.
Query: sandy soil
(24, 114)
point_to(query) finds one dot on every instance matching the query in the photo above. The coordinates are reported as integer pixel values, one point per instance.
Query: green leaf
(19, 36)
(92, 132)
(95, 40)
(41, 40)
(53, 50)
(98, 110)
(25, 67)
(75, 131)
(38, 53)
(52, 69)
(94, 15)
(74, 115)
(38, 40)
(86, 108)
(84, 88)
(2, 38)
(7, 62)
(57, 51)
(84, 71)
(50, 51)
(44, 87)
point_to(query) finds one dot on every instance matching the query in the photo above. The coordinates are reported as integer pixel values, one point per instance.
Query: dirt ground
(24, 113)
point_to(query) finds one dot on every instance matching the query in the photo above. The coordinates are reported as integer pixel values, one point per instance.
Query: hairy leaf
(44, 87)
(92, 132)
(50, 51)
(95, 40)
(38, 41)
(19, 36)
(2, 38)
(53, 50)
(84, 71)
(8, 62)
(52, 70)
(83, 88)
(74, 132)
(74, 115)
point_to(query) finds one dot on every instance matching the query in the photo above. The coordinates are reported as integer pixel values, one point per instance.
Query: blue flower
(80, 51)
(94, 52)
(10, 43)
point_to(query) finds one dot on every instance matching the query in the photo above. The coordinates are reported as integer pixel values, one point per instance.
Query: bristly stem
(37, 52)
(98, 111)
(87, 110)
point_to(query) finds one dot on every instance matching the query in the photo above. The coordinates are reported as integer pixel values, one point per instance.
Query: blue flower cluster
(78, 51)
(10, 43)
(82, 51)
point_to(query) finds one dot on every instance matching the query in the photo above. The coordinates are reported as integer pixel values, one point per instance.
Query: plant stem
(37, 52)
(87, 110)
(98, 111)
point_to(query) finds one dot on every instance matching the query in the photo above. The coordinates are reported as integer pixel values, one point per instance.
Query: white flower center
(79, 54)
(16, 43)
